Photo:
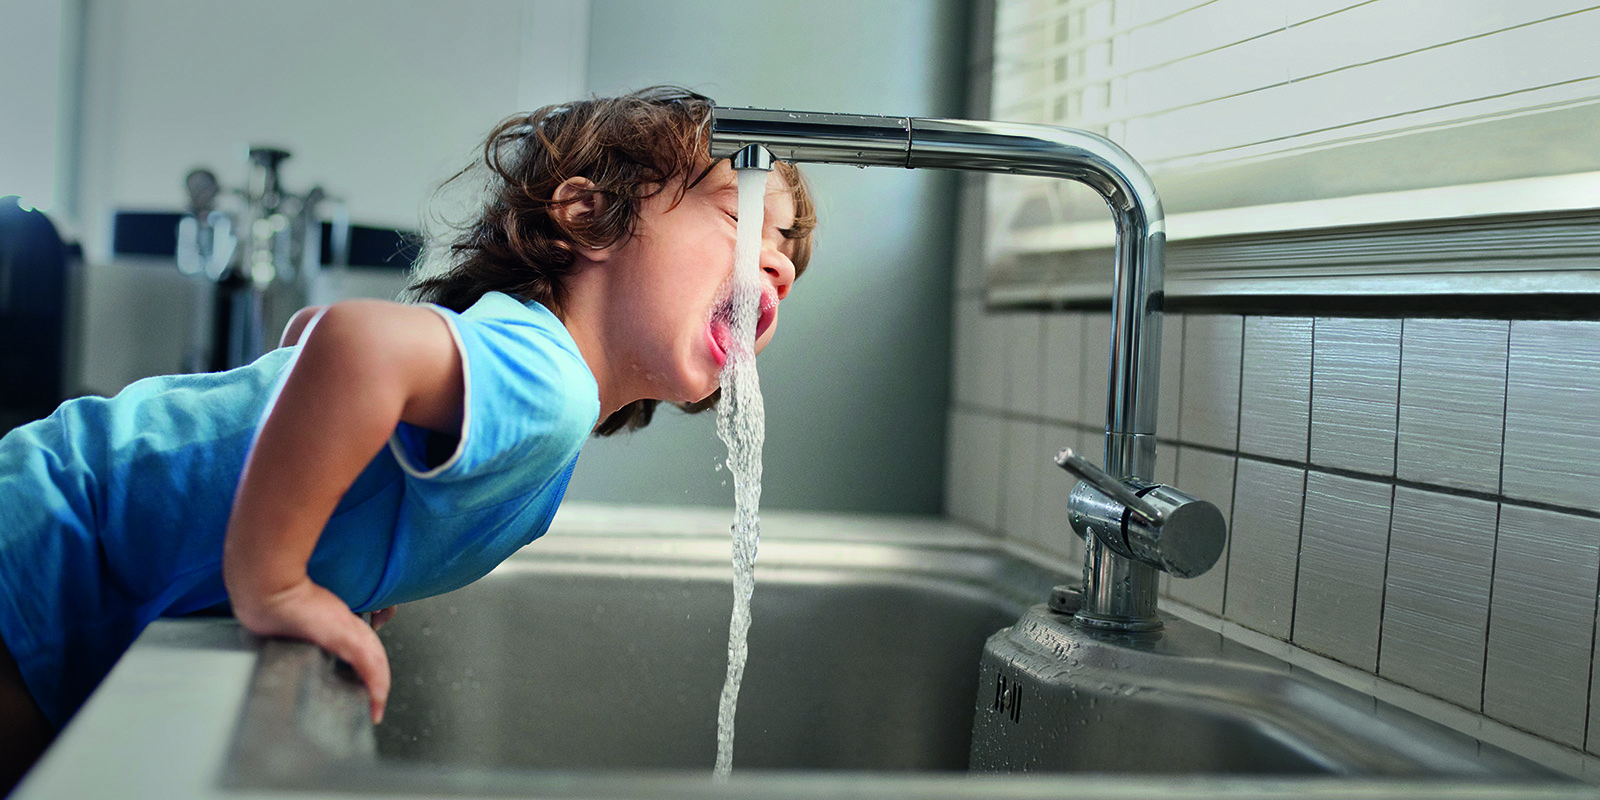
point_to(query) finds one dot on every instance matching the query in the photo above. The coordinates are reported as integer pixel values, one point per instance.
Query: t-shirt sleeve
(528, 404)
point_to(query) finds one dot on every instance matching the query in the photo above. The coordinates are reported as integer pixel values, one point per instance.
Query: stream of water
(741, 423)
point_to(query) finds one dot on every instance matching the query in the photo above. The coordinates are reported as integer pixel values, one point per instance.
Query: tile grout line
(1588, 726)
(1178, 402)
(1399, 381)
(1488, 610)
(1505, 409)
(1305, 475)
(1177, 425)
(1238, 419)
(1039, 534)
(1183, 365)
(1003, 469)
(1383, 588)
(1373, 477)
(1394, 497)
(1494, 542)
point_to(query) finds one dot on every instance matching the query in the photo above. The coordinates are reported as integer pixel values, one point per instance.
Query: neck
(585, 319)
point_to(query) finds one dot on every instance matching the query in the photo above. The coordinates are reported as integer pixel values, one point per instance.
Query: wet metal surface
(1187, 701)
(589, 664)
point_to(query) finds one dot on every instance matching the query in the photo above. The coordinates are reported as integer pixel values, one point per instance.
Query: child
(395, 451)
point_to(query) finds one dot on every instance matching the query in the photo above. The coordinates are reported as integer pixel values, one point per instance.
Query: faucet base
(1098, 622)
(1053, 697)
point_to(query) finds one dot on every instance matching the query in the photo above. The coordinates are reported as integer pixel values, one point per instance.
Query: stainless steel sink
(589, 666)
(618, 663)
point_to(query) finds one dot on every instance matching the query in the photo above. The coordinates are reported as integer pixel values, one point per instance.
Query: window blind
(1311, 108)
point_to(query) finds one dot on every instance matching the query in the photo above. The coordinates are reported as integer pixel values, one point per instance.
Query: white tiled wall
(1416, 498)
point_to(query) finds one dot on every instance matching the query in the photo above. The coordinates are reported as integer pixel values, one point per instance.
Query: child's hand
(309, 612)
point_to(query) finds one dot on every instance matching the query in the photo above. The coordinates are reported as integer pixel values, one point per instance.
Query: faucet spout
(1119, 592)
(753, 156)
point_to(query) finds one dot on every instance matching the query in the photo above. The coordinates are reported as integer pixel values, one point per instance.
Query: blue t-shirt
(113, 510)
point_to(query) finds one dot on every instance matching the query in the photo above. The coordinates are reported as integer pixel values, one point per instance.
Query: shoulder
(528, 319)
(375, 318)
(379, 333)
(523, 372)
(527, 339)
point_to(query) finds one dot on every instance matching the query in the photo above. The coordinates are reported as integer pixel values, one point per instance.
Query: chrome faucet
(1131, 526)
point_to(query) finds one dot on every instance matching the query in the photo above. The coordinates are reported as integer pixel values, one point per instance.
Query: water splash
(741, 423)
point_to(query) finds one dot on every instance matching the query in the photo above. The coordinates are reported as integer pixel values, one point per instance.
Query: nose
(778, 269)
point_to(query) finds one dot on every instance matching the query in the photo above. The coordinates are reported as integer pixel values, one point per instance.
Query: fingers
(358, 645)
(382, 616)
(374, 672)
(314, 614)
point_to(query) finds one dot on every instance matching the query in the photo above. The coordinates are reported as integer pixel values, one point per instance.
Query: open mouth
(721, 327)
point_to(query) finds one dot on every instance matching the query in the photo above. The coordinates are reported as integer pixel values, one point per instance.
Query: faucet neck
(1119, 593)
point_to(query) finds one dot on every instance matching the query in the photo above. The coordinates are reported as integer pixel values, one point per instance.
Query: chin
(703, 394)
(697, 389)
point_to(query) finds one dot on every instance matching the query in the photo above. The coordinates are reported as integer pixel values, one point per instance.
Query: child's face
(677, 265)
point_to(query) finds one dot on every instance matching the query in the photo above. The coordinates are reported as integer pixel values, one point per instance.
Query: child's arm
(364, 367)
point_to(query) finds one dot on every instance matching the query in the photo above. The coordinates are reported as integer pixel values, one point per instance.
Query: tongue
(722, 334)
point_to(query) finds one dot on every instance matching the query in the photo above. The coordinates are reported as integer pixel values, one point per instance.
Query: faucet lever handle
(1154, 524)
(1069, 460)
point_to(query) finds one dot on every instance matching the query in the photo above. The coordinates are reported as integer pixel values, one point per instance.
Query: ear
(576, 203)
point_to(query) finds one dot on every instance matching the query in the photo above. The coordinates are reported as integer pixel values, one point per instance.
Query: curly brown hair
(631, 147)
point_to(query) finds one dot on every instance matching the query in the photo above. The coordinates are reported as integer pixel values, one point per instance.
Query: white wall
(30, 70)
(377, 101)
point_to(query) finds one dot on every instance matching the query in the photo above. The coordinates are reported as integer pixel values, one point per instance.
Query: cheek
(707, 262)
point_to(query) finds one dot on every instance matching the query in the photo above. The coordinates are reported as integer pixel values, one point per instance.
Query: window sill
(1357, 249)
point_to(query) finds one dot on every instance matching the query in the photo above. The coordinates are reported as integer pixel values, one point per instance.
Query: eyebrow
(706, 173)
(732, 187)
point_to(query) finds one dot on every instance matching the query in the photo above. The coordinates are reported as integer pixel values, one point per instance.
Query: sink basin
(589, 665)
(612, 661)
(602, 654)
